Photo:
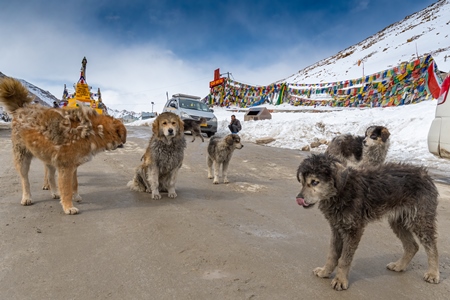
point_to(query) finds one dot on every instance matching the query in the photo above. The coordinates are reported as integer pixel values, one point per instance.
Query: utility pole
(228, 74)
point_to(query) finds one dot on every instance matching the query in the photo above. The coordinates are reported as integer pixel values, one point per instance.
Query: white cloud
(49, 55)
(360, 5)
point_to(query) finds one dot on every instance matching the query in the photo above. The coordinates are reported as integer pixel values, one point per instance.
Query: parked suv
(438, 136)
(190, 107)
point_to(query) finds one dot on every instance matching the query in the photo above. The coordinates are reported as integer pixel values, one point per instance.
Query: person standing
(235, 125)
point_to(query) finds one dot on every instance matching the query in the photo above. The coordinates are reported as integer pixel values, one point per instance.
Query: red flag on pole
(433, 83)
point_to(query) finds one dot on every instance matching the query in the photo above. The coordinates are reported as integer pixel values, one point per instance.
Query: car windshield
(193, 104)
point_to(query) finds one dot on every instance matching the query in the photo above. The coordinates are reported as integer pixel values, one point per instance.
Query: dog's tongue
(302, 202)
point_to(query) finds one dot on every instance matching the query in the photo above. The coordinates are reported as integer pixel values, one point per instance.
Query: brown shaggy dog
(368, 150)
(194, 127)
(62, 139)
(162, 159)
(351, 198)
(220, 151)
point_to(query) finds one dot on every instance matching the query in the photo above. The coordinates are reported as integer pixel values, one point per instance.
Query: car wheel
(210, 134)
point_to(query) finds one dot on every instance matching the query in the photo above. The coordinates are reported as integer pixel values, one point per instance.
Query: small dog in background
(194, 127)
(368, 150)
(162, 158)
(350, 198)
(220, 151)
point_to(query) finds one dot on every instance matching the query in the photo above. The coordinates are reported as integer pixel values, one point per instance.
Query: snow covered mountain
(424, 32)
(40, 96)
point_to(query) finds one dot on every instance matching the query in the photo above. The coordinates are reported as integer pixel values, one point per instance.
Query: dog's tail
(13, 94)
(139, 183)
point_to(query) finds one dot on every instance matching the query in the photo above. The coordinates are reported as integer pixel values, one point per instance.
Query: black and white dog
(358, 151)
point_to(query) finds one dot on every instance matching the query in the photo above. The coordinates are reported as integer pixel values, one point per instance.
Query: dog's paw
(77, 198)
(395, 266)
(226, 181)
(216, 181)
(172, 195)
(26, 201)
(210, 176)
(431, 277)
(71, 210)
(321, 272)
(55, 196)
(156, 196)
(46, 187)
(339, 284)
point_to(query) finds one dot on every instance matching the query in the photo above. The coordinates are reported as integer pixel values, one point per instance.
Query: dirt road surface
(244, 240)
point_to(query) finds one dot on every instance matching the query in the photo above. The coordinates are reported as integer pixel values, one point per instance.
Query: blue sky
(139, 50)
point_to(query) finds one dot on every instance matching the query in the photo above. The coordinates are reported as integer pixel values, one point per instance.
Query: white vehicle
(190, 107)
(439, 134)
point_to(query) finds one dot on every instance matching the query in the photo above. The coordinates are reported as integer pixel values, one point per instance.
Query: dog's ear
(229, 139)
(370, 128)
(299, 174)
(121, 131)
(385, 134)
(155, 127)
(180, 125)
(340, 174)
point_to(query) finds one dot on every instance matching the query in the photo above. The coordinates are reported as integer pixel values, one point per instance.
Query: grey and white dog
(358, 151)
(220, 151)
(350, 198)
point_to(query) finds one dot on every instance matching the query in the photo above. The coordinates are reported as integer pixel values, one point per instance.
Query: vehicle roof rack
(185, 96)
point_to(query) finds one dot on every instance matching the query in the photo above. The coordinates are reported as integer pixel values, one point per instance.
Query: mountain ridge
(424, 32)
(375, 56)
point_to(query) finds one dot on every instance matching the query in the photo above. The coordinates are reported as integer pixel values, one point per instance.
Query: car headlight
(184, 115)
(213, 119)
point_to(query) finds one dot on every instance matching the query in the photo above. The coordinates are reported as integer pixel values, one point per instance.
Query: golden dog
(62, 139)
(162, 159)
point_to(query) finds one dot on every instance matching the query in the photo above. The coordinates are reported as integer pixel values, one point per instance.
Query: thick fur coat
(220, 151)
(62, 138)
(162, 159)
(368, 150)
(351, 198)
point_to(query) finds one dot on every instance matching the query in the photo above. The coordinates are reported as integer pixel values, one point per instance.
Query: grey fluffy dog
(220, 151)
(368, 150)
(162, 159)
(350, 198)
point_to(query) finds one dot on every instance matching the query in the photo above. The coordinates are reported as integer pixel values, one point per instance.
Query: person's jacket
(237, 123)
